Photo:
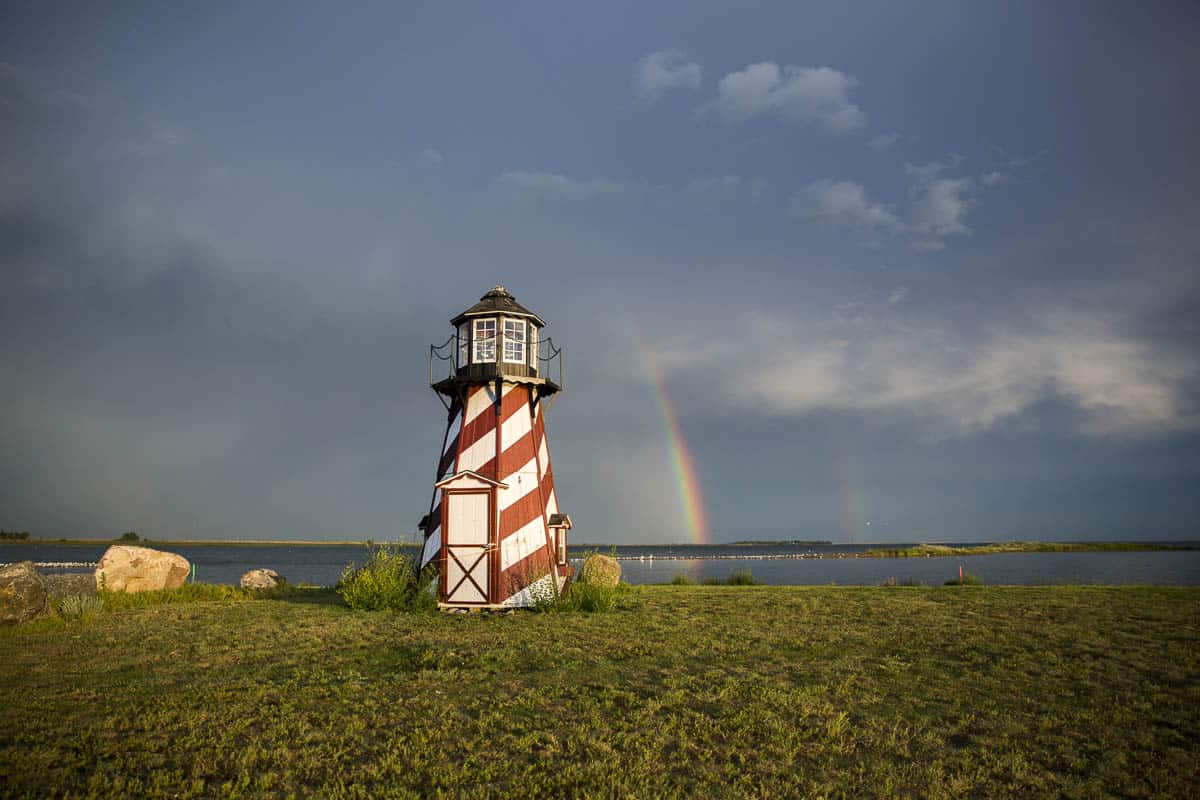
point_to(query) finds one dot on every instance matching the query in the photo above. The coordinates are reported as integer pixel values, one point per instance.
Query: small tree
(130, 536)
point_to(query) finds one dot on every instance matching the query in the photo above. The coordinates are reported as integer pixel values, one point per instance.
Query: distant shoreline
(873, 551)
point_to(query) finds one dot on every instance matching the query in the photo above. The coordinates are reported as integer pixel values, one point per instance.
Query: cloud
(883, 141)
(804, 95)
(726, 184)
(432, 155)
(993, 178)
(898, 296)
(939, 204)
(919, 368)
(661, 71)
(556, 185)
(843, 203)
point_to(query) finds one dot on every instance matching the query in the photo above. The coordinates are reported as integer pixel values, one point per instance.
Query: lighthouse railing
(441, 355)
(443, 360)
(551, 361)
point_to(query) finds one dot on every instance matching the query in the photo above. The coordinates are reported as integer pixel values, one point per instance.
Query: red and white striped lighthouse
(494, 529)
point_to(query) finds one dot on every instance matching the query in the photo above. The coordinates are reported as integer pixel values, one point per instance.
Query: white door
(467, 547)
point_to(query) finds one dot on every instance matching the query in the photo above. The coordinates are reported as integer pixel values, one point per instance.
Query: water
(322, 564)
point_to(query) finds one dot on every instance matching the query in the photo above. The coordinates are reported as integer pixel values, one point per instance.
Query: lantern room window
(485, 341)
(463, 344)
(533, 347)
(514, 341)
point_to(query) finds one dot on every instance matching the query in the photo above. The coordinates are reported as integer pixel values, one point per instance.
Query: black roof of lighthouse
(497, 301)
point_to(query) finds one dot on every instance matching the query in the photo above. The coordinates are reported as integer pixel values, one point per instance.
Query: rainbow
(681, 458)
(851, 502)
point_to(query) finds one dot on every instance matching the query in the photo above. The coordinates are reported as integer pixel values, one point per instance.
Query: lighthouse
(494, 530)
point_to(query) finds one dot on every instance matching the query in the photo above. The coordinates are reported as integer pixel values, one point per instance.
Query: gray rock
(139, 569)
(262, 579)
(22, 593)
(68, 584)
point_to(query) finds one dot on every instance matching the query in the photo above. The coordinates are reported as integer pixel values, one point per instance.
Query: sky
(891, 271)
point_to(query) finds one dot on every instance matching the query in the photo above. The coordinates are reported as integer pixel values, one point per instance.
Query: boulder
(68, 584)
(22, 593)
(262, 579)
(600, 570)
(123, 568)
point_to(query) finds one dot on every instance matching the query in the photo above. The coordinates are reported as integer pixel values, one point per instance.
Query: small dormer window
(485, 341)
(514, 341)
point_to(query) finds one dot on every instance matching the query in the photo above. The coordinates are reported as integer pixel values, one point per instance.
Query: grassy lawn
(684, 691)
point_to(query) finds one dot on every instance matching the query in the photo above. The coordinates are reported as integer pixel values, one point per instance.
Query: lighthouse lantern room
(494, 530)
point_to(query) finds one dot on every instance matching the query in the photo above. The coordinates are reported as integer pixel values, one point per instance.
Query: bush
(78, 607)
(388, 580)
(741, 577)
(129, 536)
(591, 597)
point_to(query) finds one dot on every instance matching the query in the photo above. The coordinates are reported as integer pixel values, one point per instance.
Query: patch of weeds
(187, 593)
(682, 579)
(894, 581)
(388, 580)
(79, 607)
(742, 577)
(967, 579)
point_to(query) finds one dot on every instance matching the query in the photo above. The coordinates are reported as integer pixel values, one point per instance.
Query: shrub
(129, 536)
(682, 579)
(78, 607)
(388, 580)
(742, 577)
(545, 596)
(590, 598)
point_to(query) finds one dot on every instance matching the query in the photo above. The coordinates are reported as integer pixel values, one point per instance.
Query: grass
(688, 691)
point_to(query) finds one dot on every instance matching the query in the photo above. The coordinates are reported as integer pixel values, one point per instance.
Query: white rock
(262, 579)
(123, 568)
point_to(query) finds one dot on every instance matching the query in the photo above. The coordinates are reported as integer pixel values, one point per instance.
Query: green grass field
(683, 691)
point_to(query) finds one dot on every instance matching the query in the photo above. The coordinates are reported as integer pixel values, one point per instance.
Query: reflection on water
(322, 564)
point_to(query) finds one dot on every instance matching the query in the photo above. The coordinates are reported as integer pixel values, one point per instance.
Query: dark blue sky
(909, 270)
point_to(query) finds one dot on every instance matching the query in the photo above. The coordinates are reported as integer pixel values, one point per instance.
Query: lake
(322, 564)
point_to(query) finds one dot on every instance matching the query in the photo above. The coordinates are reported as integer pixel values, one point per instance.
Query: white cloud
(940, 206)
(994, 178)
(726, 184)
(844, 203)
(898, 296)
(919, 368)
(883, 141)
(662, 71)
(554, 184)
(816, 95)
(432, 156)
